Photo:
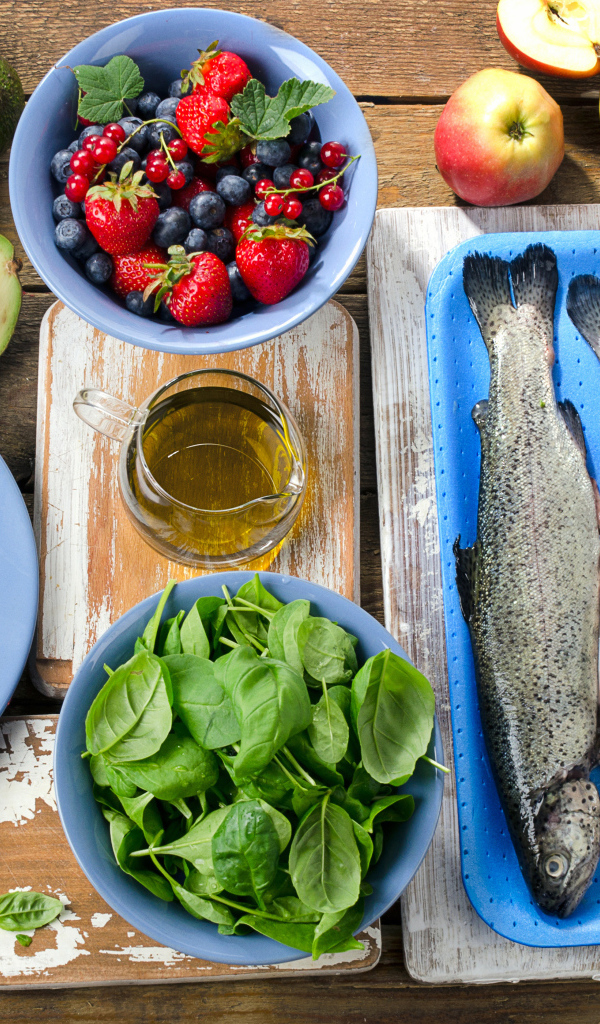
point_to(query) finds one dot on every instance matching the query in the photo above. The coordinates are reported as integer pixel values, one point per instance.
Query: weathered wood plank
(379, 48)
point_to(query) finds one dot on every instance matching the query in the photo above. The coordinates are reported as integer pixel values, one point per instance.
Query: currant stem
(310, 188)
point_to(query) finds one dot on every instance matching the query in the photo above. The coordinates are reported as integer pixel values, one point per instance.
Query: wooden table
(402, 61)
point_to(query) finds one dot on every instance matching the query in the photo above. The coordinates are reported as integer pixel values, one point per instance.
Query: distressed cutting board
(94, 565)
(89, 944)
(444, 939)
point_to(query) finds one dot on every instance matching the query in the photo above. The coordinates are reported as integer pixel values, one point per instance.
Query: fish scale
(530, 586)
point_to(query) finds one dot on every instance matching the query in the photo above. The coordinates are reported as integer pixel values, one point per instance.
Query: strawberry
(273, 260)
(196, 114)
(130, 274)
(183, 196)
(194, 287)
(239, 218)
(121, 214)
(222, 72)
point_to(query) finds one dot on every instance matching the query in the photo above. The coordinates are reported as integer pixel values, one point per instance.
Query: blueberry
(222, 243)
(92, 129)
(135, 304)
(89, 247)
(166, 128)
(171, 227)
(314, 217)
(300, 129)
(273, 152)
(138, 141)
(127, 154)
(176, 89)
(63, 207)
(239, 292)
(61, 165)
(256, 172)
(147, 104)
(234, 189)
(98, 268)
(310, 157)
(167, 108)
(165, 314)
(281, 175)
(71, 235)
(261, 217)
(196, 241)
(223, 172)
(132, 105)
(73, 146)
(163, 194)
(186, 168)
(207, 210)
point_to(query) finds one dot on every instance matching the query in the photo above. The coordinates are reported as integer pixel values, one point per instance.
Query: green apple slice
(10, 291)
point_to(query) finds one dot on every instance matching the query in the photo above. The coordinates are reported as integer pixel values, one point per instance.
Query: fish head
(568, 839)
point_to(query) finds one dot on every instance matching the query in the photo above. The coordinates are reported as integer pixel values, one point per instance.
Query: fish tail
(534, 276)
(583, 306)
(487, 286)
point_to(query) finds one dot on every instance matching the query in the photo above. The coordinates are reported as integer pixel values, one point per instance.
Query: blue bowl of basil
(405, 843)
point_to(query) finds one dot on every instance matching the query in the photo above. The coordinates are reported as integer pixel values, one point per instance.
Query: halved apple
(558, 37)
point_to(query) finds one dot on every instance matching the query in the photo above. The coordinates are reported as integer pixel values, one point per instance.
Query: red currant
(262, 187)
(175, 179)
(178, 149)
(157, 170)
(292, 208)
(331, 197)
(274, 204)
(104, 150)
(82, 162)
(76, 187)
(155, 154)
(90, 141)
(325, 175)
(333, 154)
(115, 131)
(301, 178)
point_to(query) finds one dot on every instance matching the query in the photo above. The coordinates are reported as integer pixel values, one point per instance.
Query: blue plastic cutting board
(459, 377)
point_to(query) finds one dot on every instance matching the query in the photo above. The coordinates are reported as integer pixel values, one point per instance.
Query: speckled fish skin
(530, 586)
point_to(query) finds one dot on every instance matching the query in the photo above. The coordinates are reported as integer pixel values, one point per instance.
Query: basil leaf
(271, 784)
(179, 769)
(245, 850)
(326, 651)
(337, 928)
(118, 782)
(201, 702)
(203, 909)
(24, 940)
(169, 639)
(291, 908)
(98, 770)
(148, 638)
(303, 751)
(202, 884)
(107, 88)
(251, 622)
(271, 703)
(363, 787)
(265, 117)
(328, 730)
(299, 936)
(282, 826)
(196, 845)
(305, 798)
(131, 716)
(144, 812)
(356, 810)
(365, 847)
(399, 807)
(396, 717)
(126, 838)
(282, 636)
(22, 910)
(324, 859)
(193, 634)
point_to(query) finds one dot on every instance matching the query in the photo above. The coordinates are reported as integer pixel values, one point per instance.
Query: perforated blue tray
(459, 377)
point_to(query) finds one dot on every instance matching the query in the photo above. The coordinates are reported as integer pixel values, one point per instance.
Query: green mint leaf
(106, 89)
(266, 117)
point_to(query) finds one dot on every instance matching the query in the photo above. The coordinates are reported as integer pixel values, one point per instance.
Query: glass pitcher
(212, 468)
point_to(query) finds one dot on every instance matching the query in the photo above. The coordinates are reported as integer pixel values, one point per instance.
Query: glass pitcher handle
(109, 415)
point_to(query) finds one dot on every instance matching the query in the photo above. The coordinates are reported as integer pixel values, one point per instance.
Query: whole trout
(530, 585)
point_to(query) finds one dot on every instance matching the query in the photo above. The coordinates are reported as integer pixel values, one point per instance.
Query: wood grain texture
(378, 48)
(445, 940)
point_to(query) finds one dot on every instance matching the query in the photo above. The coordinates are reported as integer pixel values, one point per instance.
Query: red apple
(499, 139)
(558, 37)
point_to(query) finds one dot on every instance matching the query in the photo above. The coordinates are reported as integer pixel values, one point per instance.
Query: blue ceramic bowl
(87, 831)
(162, 43)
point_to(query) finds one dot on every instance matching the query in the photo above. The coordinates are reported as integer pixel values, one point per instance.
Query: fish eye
(556, 865)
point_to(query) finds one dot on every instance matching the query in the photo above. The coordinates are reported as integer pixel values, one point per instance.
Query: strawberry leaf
(268, 117)
(223, 141)
(107, 88)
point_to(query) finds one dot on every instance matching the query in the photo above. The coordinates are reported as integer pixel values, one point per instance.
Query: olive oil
(219, 471)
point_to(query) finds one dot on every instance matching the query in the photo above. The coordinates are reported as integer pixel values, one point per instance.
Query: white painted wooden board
(444, 939)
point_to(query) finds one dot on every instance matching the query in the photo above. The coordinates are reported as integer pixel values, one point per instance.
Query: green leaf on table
(25, 910)
(326, 651)
(268, 117)
(324, 859)
(328, 730)
(131, 716)
(107, 89)
(179, 769)
(24, 940)
(245, 850)
(201, 702)
(395, 719)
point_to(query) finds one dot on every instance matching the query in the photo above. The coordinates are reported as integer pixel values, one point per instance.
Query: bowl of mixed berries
(188, 195)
